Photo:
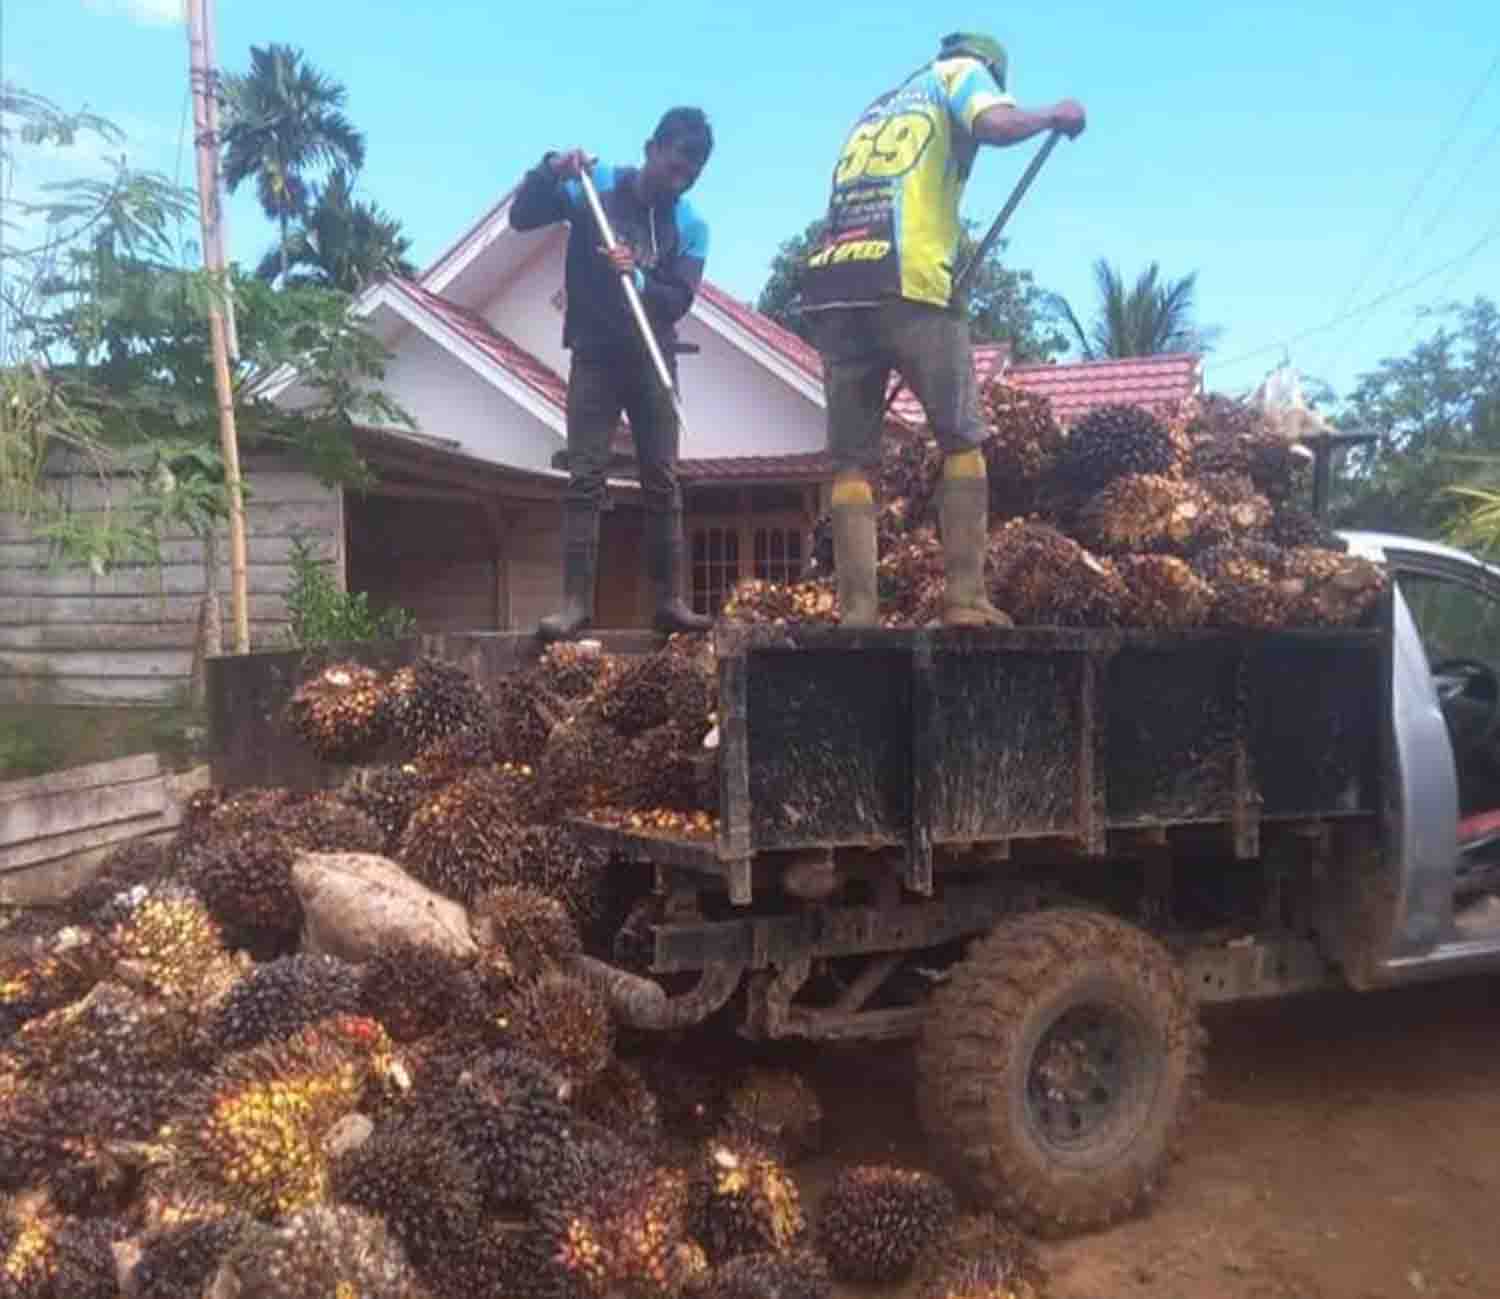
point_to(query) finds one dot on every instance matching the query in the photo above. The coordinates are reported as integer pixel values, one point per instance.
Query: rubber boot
(664, 550)
(580, 563)
(964, 519)
(854, 550)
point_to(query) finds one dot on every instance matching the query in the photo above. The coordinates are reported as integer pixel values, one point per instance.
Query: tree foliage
(1150, 318)
(341, 242)
(1004, 305)
(1437, 409)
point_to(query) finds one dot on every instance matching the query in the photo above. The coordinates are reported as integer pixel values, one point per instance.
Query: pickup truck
(1037, 851)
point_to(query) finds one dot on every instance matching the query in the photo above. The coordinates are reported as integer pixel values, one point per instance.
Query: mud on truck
(1037, 852)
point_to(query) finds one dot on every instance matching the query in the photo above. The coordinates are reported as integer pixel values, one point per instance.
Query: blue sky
(1276, 148)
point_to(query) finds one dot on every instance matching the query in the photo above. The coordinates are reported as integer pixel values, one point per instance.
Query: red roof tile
(810, 466)
(990, 360)
(799, 352)
(533, 372)
(1150, 381)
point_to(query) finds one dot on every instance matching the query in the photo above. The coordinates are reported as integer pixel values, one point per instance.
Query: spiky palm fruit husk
(252, 1133)
(141, 861)
(1248, 590)
(455, 841)
(1232, 522)
(676, 683)
(691, 1092)
(178, 1262)
(793, 1274)
(1230, 436)
(781, 1107)
(162, 940)
(388, 795)
(524, 715)
(508, 1257)
(44, 1255)
(279, 998)
(411, 1173)
(553, 859)
(875, 1220)
(668, 767)
(341, 714)
(1042, 578)
(1163, 593)
(1112, 441)
(452, 755)
(743, 1200)
(564, 1021)
(414, 990)
(430, 699)
(979, 1257)
(1022, 449)
(1142, 513)
(911, 467)
(618, 1098)
(329, 1251)
(1334, 589)
(216, 814)
(569, 671)
(532, 928)
(813, 602)
(909, 576)
(1294, 527)
(578, 768)
(615, 1223)
(48, 975)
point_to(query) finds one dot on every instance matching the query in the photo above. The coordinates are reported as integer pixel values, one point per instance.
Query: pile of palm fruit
(195, 1102)
(1167, 519)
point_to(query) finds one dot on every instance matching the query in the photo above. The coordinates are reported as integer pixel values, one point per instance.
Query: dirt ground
(1348, 1147)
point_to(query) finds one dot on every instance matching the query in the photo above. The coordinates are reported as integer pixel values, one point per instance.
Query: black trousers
(600, 386)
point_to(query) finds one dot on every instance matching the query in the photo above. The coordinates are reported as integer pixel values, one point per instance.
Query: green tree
(1152, 317)
(1437, 409)
(1004, 305)
(284, 121)
(342, 242)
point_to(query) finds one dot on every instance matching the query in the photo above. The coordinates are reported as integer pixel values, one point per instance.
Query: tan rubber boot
(964, 518)
(854, 549)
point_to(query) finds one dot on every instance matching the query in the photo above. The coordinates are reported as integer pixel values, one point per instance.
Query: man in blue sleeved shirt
(663, 244)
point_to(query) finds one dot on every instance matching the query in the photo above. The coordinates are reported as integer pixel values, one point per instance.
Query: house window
(716, 567)
(778, 554)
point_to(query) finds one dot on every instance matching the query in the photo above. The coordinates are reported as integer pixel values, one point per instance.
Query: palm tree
(1151, 318)
(283, 120)
(341, 242)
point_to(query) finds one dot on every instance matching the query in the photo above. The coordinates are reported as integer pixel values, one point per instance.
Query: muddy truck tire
(1058, 1068)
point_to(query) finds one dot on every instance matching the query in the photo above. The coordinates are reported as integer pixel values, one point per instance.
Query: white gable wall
(735, 406)
(449, 400)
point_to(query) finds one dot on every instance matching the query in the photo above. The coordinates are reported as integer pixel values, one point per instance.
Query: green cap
(976, 45)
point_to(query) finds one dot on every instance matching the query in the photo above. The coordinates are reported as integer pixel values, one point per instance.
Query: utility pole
(205, 117)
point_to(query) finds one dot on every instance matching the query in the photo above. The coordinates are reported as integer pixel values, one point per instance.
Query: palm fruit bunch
(138, 861)
(1039, 576)
(553, 859)
(812, 601)
(162, 940)
(1334, 590)
(524, 715)
(891, 525)
(449, 756)
(675, 683)
(617, 1224)
(876, 1220)
(532, 928)
(618, 1098)
(44, 1255)
(1145, 513)
(215, 813)
(1294, 527)
(504, 1257)
(1163, 593)
(1112, 441)
(414, 990)
(389, 794)
(579, 765)
(179, 1261)
(413, 1175)
(1230, 436)
(743, 1200)
(793, 1274)
(911, 470)
(253, 1131)
(668, 767)
(571, 671)
(980, 1257)
(46, 976)
(564, 1022)
(1022, 448)
(454, 841)
(323, 1250)
(430, 699)
(1247, 586)
(280, 997)
(909, 579)
(779, 1107)
(342, 713)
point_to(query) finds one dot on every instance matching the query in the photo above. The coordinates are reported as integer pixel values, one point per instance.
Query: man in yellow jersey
(878, 288)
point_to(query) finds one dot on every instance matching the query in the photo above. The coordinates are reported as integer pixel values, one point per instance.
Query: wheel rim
(1086, 1077)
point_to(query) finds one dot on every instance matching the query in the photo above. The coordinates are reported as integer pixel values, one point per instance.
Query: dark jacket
(670, 243)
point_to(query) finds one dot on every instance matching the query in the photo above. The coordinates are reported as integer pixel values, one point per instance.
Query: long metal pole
(208, 202)
(637, 308)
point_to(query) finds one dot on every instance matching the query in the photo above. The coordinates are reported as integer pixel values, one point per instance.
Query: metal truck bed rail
(835, 737)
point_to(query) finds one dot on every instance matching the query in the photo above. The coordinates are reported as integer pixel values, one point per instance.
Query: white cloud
(149, 13)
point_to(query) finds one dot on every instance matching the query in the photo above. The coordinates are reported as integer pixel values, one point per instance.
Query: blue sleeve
(694, 230)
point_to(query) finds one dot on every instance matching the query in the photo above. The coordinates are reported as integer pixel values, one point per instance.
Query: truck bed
(834, 737)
